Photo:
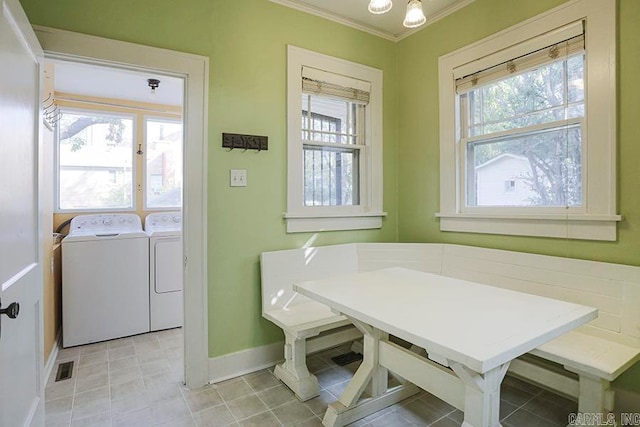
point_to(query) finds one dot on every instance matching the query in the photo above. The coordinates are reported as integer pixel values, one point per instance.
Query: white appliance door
(168, 265)
(21, 366)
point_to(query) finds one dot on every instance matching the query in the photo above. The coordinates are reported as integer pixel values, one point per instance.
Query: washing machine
(105, 279)
(165, 269)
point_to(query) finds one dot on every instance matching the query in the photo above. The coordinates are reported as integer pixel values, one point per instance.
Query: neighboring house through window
(334, 144)
(528, 128)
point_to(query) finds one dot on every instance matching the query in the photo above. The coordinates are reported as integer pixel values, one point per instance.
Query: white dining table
(471, 332)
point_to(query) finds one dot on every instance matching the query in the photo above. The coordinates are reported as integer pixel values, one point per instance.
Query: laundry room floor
(136, 382)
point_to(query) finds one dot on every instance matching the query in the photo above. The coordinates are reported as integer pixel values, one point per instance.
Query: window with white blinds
(523, 120)
(335, 122)
(527, 128)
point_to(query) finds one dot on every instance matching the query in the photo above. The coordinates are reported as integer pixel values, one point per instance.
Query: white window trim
(367, 215)
(599, 219)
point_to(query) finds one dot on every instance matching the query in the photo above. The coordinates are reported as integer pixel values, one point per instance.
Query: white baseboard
(626, 401)
(244, 362)
(51, 361)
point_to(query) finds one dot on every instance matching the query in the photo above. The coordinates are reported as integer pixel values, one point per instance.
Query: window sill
(300, 223)
(572, 226)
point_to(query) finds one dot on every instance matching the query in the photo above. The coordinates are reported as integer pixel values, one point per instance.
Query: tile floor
(136, 381)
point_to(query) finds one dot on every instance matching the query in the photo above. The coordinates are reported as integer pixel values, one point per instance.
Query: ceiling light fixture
(153, 84)
(378, 7)
(414, 17)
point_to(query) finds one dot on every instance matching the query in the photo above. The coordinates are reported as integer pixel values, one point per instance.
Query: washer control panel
(105, 224)
(163, 221)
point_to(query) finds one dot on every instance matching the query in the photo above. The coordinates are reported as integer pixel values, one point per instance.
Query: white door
(21, 366)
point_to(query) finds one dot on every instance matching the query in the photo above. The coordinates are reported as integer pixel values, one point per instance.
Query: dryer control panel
(163, 221)
(105, 223)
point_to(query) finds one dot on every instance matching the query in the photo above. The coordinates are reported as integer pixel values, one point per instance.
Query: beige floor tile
(92, 358)
(292, 413)
(60, 420)
(276, 396)
(186, 421)
(148, 346)
(124, 363)
(152, 356)
(265, 419)
(93, 348)
(170, 410)
(163, 393)
(127, 389)
(130, 404)
(93, 382)
(245, 407)
(155, 367)
(125, 375)
(60, 389)
(318, 405)
(233, 389)
(121, 342)
(91, 370)
(99, 420)
(61, 406)
(261, 380)
(140, 418)
(121, 352)
(91, 403)
(217, 416)
(203, 400)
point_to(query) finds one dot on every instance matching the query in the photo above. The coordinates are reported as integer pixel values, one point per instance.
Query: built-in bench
(580, 364)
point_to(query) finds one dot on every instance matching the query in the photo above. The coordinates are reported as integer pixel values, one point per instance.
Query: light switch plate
(238, 177)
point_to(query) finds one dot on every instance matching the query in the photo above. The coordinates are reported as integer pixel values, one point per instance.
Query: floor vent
(65, 370)
(345, 359)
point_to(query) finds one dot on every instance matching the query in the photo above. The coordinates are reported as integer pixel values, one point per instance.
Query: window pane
(330, 176)
(163, 154)
(95, 161)
(533, 169)
(329, 120)
(551, 92)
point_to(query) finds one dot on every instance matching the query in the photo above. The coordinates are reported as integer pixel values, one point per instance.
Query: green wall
(246, 43)
(418, 132)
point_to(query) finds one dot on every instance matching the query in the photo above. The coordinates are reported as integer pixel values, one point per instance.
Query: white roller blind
(553, 46)
(333, 85)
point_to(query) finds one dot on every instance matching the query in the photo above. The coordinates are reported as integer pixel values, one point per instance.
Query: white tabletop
(479, 326)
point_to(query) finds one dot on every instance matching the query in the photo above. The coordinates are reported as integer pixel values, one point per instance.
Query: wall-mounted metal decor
(245, 142)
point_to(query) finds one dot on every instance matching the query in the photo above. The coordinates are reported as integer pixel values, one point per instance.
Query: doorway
(76, 48)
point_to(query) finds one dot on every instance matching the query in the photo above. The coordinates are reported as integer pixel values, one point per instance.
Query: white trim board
(194, 69)
(51, 361)
(243, 362)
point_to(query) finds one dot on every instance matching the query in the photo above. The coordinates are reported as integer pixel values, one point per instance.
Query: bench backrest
(614, 289)
(280, 269)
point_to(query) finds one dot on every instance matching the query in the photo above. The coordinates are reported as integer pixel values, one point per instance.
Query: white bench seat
(577, 351)
(580, 364)
(306, 319)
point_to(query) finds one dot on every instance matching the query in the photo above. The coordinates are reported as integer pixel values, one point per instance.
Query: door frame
(76, 47)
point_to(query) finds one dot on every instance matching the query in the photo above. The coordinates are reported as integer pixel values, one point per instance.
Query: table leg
(481, 395)
(349, 407)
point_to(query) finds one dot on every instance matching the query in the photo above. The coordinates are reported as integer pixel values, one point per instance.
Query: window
(527, 131)
(334, 144)
(100, 152)
(95, 161)
(163, 163)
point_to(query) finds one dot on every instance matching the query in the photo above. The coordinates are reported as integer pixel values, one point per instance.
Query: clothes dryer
(105, 279)
(165, 269)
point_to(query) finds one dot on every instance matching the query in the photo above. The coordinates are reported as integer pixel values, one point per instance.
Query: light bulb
(378, 7)
(415, 16)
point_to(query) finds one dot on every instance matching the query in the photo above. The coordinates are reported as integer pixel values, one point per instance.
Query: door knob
(11, 311)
